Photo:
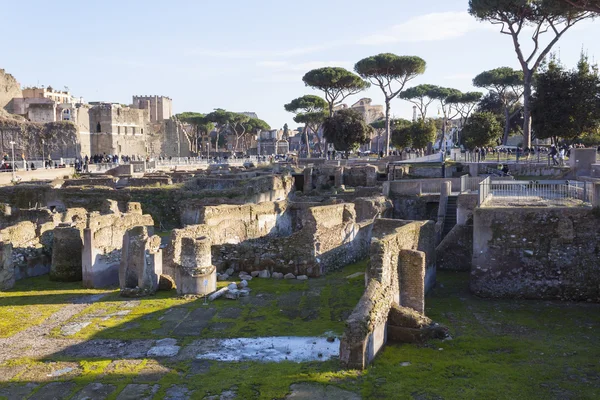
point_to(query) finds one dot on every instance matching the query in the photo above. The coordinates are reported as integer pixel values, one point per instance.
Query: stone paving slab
(18, 391)
(138, 392)
(54, 391)
(95, 391)
(195, 323)
(178, 392)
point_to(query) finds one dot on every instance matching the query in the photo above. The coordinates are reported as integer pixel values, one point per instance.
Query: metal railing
(508, 158)
(484, 189)
(558, 192)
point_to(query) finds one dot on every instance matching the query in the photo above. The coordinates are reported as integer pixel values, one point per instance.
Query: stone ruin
(281, 237)
(401, 270)
(196, 275)
(73, 245)
(140, 268)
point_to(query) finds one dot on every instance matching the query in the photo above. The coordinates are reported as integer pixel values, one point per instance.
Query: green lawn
(500, 349)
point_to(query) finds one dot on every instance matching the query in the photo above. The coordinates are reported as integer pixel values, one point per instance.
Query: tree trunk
(506, 125)
(306, 138)
(387, 127)
(527, 108)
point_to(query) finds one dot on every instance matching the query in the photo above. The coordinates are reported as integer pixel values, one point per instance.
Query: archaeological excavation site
(330, 280)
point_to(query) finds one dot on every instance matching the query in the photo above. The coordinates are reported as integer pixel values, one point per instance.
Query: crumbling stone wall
(9, 89)
(327, 238)
(103, 242)
(302, 239)
(536, 253)
(401, 271)
(360, 176)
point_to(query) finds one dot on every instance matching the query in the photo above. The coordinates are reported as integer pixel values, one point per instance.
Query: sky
(249, 55)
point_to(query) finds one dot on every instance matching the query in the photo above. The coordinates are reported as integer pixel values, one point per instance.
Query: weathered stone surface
(195, 274)
(302, 277)
(7, 269)
(67, 248)
(401, 251)
(254, 274)
(289, 276)
(95, 391)
(407, 317)
(536, 253)
(264, 274)
(166, 283)
(103, 240)
(178, 392)
(277, 275)
(54, 390)
(18, 391)
(138, 392)
(141, 262)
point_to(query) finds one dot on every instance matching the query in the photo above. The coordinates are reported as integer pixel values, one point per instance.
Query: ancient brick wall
(401, 270)
(537, 253)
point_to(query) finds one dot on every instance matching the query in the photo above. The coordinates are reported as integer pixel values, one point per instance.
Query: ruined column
(88, 255)
(7, 269)
(141, 263)
(338, 177)
(67, 248)
(308, 181)
(596, 196)
(149, 277)
(196, 275)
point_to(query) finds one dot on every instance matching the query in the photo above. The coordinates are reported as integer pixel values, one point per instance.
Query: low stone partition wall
(149, 181)
(408, 187)
(401, 271)
(107, 181)
(536, 253)
(6, 178)
(236, 223)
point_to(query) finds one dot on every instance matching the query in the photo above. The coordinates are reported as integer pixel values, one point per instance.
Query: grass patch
(501, 349)
(33, 300)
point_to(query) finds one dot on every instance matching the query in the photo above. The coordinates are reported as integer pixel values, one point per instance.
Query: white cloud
(428, 27)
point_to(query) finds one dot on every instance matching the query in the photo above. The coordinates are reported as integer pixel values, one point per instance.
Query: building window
(98, 128)
(126, 130)
(142, 131)
(133, 130)
(118, 130)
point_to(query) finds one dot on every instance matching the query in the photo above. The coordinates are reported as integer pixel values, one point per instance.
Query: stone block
(67, 247)
(7, 269)
(264, 274)
(196, 275)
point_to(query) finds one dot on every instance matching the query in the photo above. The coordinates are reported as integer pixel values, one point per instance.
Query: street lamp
(12, 146)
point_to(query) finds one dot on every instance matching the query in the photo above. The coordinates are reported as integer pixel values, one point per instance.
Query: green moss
(33, 300)
(501, 349)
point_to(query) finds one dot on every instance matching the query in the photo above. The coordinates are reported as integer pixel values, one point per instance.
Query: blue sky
(247, 55)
